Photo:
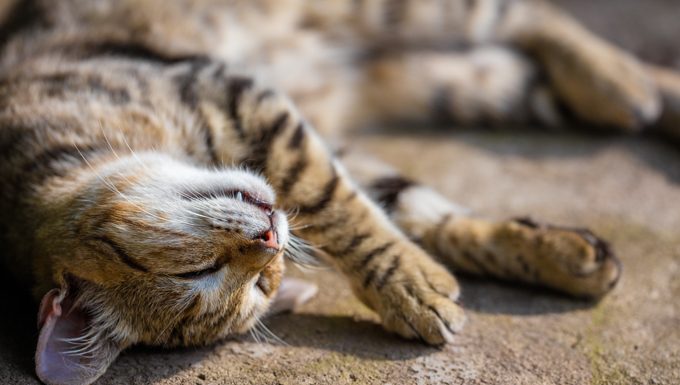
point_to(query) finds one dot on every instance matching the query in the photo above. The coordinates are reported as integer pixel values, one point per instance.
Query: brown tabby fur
(128, 127)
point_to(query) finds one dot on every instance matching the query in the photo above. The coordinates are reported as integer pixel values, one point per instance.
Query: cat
(160, 160)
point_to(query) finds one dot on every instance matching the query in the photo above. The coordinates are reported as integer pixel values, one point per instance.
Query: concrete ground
(627, 189)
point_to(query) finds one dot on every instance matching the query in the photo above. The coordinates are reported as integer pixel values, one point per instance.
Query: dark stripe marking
(353, 244)
(325, 197)
(335, 222)
(208, 138)
(382, 281)
(25, 14)
(293, 175)
(209, 141)
(59, 84)
(386, 190)
(434, 289)
(122, 255)
(237, 86)
(523, 264)
(218, 75)
(186, 83)
(526, 221)
(117, 95)
(36, 167)
(261, 145)
(370, 276)
(274, 130)
(297, 138)
(266, 94)
(47, 158)
(490, 258)
(366, 260)
(134, 51)
(471, 258)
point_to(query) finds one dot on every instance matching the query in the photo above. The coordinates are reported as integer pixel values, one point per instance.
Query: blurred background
(648, 28)
(625, 188)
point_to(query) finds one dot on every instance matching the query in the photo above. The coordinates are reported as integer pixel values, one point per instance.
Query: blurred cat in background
(160, 159)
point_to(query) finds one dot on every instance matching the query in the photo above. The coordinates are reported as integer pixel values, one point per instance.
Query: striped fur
(146, 170)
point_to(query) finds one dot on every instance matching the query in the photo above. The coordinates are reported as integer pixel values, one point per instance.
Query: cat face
(162, 253)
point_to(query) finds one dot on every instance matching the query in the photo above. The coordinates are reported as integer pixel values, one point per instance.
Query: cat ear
(59, 359)
(292, 292)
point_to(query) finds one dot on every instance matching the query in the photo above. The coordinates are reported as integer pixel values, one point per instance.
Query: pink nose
(269, 239)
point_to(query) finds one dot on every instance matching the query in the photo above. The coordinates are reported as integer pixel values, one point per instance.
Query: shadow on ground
(344, 334)
(338, 333)
(545, 144)
(19, 331)
(506, 298)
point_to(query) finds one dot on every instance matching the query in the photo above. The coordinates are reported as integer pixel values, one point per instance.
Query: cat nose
(269, 239)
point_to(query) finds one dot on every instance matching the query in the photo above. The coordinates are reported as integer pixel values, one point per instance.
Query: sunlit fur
(148, 205)
(148, 147)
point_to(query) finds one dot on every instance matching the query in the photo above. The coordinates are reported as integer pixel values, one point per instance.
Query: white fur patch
(419, 208)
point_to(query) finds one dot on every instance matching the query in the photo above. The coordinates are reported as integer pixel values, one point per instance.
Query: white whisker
(302, 253)
(271, 334)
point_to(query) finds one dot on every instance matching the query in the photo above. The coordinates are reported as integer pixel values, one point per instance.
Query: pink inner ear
(55, 361)
(50, 305)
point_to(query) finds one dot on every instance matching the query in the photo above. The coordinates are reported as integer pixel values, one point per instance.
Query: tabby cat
(160, 159)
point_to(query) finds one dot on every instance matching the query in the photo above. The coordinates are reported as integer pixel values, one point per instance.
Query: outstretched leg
(570, 260)
(600, 83)
(247, 124)
(483, 85)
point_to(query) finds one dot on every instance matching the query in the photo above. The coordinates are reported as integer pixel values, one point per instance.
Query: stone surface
(627, 189)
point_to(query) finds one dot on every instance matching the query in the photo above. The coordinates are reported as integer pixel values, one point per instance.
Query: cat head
(146, 249)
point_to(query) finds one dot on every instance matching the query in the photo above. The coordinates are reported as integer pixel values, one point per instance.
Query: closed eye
(198, 273)
(234, 194)
(121, 253)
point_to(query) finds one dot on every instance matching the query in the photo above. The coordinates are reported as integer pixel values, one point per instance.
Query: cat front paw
(417, 300)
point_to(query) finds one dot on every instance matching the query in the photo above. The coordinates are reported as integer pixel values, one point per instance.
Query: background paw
(599, 82)
(607, 87)
(571, 259)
